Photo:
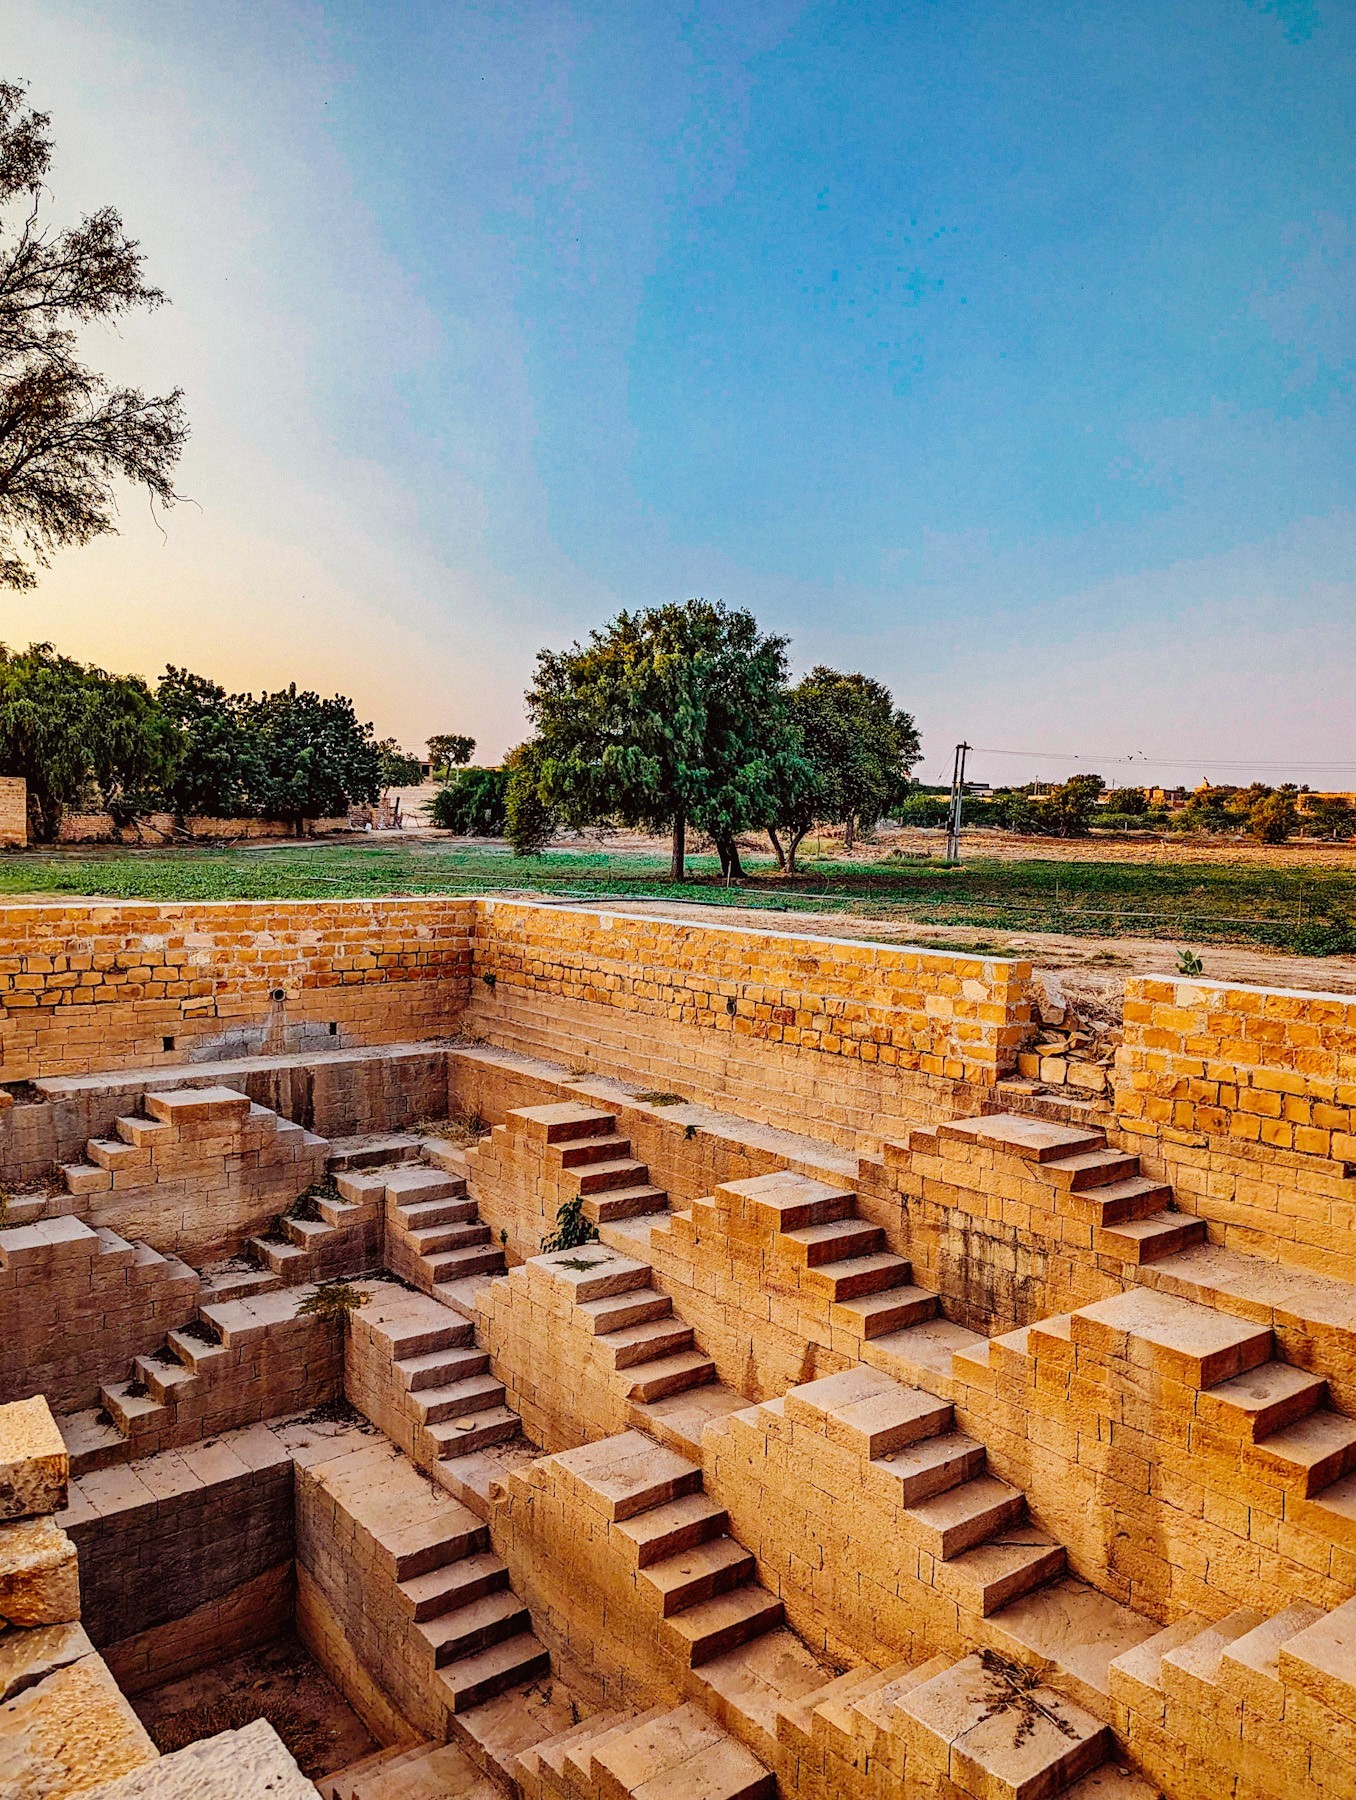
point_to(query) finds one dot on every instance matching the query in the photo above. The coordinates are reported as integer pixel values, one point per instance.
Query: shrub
(474, 803)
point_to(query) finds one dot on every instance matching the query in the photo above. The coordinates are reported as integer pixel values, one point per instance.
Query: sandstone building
(908, 1428)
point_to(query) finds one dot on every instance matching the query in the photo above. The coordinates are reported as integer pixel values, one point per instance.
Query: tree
(860, 751)
(398, 767)
(447, 752)
(473, 803)
(66, 434)
(313, 757)
(666, 718)
(218, 765)
(1066, 811)
(80, 736)
(1273, 818)
(528, 819)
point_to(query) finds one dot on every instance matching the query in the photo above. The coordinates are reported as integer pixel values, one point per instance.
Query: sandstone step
(1018, 1134)
(529, 1772)
(135, 1415)
(462, 1297)
(92, 1440)
(168, 1381)
(856, 1276)
(437, 1368)
(288, 1261)
(614, 1312)
(199, 1106)
(746, 1686)
(1193, 1344)
(680, 1419)
(1135, 1197)
(474, 1626)
(195, 1352)
(713, 1626)
(831, 1243)
(593, 1271)
(1249, 1666)
(967, 1513)
(636, 1201)
(455, 1265)
(1090, 1169)
(1149, 1239)
(474, 1431)
(435, 1405)
(447, 1154)
(993, 1736)
(867, 1411)
(86, 1178)
(417, 1183)
(308, 1234)
(431, 1772)
(1016, 1561)
(668, 1375)
(429, 1240)
(672, 1527)
(643, 1343)
(1252, 1406)
(929, 1467)
(341, 1214)
(115, 1252)
(424, 1545)
(473, 1679)
(683, 1753)
(610, 1147)
(1069, 1633)
(789, 1201)
(1309, 1455)
(424, 1329)
(628, 1474)
(419, 1214)
(1188, 1671)
(143, 1133)
(372, 1149)
(620, 1172)
(894, 1309)
(579, 1757)
(453, 1585)
(561, 1121)
(347, 1783)
(682, 1580)
(116, 1155)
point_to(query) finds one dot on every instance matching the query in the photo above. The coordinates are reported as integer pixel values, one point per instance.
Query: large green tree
(668, 718)
(859, 749)
(312, 755)
(80, 736)
(218, 767)
(66, 435)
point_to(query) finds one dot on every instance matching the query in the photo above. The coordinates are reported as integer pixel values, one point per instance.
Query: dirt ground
(278, 1682)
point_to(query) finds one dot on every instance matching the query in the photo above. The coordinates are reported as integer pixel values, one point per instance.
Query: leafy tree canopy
(398, 767)
(474, 803)
(669, 717)
(860, 750)
(449, 750)
(80, 736)
(218, 767)
(66, 434)
(313, 755)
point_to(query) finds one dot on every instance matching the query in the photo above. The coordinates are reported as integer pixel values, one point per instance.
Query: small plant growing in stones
(662, 1098)
(572, 1227)
(1011, 1688)
(1188, 963)
(333, 1299)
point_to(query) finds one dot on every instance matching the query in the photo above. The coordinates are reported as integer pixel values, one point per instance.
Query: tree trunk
(678, 861)
(776, 843)
(793, 844)
(850, 831)
(730, 866)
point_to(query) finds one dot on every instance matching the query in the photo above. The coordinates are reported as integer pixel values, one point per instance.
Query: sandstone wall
(185, 1557)
(1245, 1099)
(129, 984)
(857, 1037)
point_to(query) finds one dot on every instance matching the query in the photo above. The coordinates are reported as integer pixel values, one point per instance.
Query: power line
(1163, 762)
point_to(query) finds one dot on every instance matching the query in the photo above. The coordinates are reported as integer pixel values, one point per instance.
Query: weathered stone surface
(34, 1465)
(250, 1764)
(39, 1574)
(28, 1657)
(70, 1733)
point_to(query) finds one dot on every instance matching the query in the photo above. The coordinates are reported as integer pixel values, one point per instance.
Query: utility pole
(953, 818)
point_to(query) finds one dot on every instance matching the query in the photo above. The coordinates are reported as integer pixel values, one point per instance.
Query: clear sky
(1002, 350)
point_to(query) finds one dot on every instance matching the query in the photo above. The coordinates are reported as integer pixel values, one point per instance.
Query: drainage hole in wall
(334, 1028)
(167, 1043)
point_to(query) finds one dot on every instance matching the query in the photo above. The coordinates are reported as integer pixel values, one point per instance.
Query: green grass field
(1306, 910)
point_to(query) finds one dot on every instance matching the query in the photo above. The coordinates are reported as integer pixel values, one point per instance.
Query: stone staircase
(424, 1771)
(1130, 1213)
(675, 1750)
(589, 1346)
(433, 1235)
(415, 1370)
(237, 1362)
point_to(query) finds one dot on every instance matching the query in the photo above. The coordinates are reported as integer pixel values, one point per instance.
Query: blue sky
(1005, 351)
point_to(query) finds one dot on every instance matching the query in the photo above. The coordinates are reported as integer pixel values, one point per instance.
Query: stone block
(39, 1574)
(34, 1466)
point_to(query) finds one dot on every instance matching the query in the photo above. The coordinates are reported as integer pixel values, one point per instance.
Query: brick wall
(1245, 1099)
(859, 1037)
(169, 1541)
(13, 810)
(128, 984)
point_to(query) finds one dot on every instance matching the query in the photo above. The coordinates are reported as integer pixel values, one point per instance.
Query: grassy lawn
(1306, 910)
